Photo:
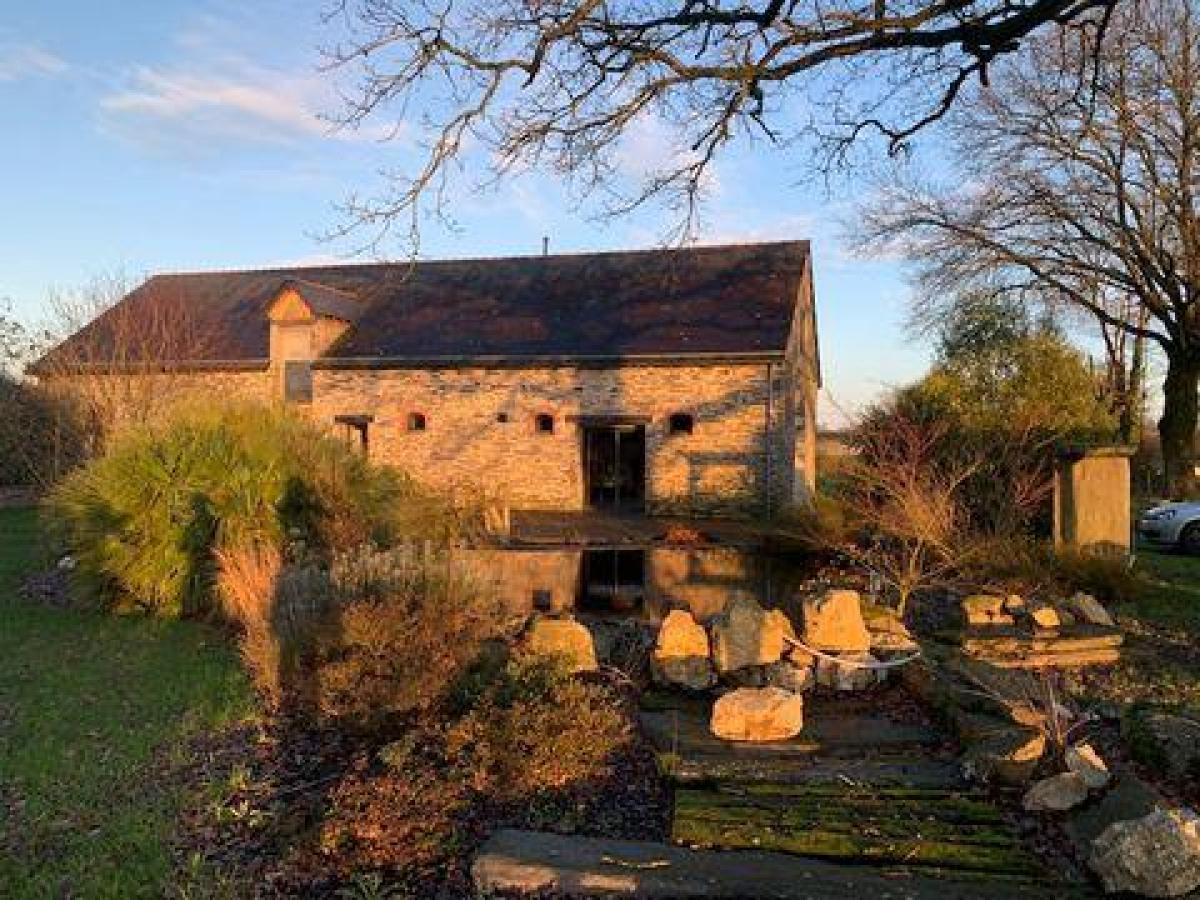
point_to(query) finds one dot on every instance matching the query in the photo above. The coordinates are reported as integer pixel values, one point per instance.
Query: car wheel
(1189, 540)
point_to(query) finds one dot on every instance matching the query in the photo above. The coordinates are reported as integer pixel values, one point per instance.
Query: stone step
(1057, 659)
(880, 826)
(826, 735)
(536, 863)
(830, 749)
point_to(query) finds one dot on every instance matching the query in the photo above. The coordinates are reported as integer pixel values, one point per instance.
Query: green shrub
(145, 519)
(1001, 413)
(1029, 565)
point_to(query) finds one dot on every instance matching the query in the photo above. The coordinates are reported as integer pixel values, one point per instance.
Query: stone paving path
(864, 803)
(857, 787)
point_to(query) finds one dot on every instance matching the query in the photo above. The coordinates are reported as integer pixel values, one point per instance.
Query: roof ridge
(320, 284)
(449, 260)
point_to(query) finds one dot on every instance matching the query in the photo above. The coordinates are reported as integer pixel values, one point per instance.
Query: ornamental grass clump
(146, 520)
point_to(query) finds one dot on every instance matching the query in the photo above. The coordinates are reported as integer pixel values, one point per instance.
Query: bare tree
(1082, 200)
(116, 363)
(559, 83)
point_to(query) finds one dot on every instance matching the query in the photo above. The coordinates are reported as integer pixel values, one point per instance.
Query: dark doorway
(614, 459)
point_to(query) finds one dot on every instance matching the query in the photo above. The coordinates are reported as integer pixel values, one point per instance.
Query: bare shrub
(407, 624)
(906, 506)
(278, 610)
(535, 728)
(1037, 698)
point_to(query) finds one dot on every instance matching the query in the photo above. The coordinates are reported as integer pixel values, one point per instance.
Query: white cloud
(218, 89)
(245, 102)
(18, 61)
(260, 105)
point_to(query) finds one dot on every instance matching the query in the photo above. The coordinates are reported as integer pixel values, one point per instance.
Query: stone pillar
(1091, 500)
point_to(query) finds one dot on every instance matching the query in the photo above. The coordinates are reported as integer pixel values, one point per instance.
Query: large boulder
(757, 714)
(745, 634)
(565, 638)
(1056, 793)
(1157, 855)
(833, 622)
(681, 653)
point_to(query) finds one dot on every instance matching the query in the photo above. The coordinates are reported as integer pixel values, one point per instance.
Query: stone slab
(538, 863)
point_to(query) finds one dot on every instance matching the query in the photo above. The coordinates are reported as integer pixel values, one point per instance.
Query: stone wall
(721, 467)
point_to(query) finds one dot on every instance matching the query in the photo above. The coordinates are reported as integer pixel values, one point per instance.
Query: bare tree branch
(1086, 200)
(559, 83)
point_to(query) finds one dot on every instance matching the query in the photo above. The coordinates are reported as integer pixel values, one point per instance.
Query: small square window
(416, 421)
(681, 423)
(544, 423)
(502, 417)
(543, 599)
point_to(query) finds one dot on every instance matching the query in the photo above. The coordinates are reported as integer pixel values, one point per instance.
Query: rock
(1157, 855)
(1056, 793)
(1014, 603)
(834, 623)
(1090, 610)
(681, 653)
(985, 609)
(889, 633)
(849, 672)
(745, 634)
(1009, 756)
(1177, 742)
(1045, 617)
(563, 637)
(757, 714)
(798, 656)
(1085, 762)
(746, 677)
(789, 676)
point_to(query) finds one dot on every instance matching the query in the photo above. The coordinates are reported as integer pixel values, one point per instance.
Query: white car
(1172, 525)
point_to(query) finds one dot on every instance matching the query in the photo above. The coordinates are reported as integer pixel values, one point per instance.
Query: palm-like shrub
(145, 520)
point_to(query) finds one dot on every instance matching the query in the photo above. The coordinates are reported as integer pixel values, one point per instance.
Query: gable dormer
(307, 319)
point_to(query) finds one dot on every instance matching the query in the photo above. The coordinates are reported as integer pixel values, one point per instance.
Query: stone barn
(661, 381)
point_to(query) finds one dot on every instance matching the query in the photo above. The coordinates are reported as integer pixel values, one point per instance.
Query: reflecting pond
(644, 582)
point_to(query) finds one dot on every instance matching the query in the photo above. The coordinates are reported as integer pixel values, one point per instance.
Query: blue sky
(152, 136)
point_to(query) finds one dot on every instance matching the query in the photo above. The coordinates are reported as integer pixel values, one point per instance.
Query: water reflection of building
(643, 581)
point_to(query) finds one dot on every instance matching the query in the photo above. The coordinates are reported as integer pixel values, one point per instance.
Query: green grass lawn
(91, 709)
(1159, 610)
(1174, 597)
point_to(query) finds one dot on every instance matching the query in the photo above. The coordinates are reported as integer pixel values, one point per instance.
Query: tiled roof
(704, 300)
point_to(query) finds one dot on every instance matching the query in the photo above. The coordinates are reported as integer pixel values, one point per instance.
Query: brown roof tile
(711, 300)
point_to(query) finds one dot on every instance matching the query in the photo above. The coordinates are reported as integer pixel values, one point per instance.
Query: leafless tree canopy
(117, 363)
(1086, 199)
(557, 83)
